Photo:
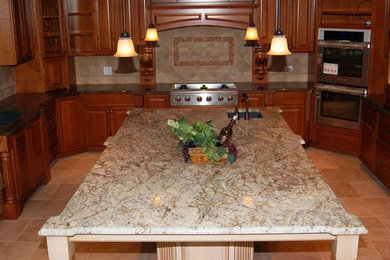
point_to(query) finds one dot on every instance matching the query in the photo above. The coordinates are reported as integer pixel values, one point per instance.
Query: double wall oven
(342, 76)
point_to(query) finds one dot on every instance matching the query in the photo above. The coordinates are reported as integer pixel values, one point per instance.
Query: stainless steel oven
(338, 109)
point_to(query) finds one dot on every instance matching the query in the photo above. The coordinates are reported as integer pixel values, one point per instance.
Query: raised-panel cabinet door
(24, 182)
(117, 117)
(294, 116)
(104, 26)
(56, 73)
(303, 25)
(255, 101)
(156, 101)
(97, 130)
(36, 153)
(367, 141)
(70, 124)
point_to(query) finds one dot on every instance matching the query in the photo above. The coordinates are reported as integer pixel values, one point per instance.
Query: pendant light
(125, 46)
(251, 31)
(151, 32)
(279, 41)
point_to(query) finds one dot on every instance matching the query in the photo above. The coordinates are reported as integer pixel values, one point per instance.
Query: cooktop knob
(220, 98)
(230, 98)
(178, 99)
(209, 99)
(199, 99)
(187, 98)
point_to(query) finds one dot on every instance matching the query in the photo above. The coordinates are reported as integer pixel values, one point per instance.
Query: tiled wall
(302, 65)
(203, 53)
(7, 82)
(89, 70)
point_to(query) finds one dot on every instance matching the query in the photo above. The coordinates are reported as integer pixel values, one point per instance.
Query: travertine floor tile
(343, 175)
(69, 176)
(10, 230)
(65, 191)
(369, 189)
(367, 207)
(31, 231)
(18, 250)
(383, 248)
(43, 209)
(45, 192)
(343, 189)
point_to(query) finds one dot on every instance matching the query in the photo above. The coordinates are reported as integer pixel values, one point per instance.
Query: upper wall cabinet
(15, 27)
(297, 22)
(170, 14)
(344, 13)
(90, 26)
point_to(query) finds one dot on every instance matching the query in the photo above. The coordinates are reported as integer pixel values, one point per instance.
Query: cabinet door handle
(384, 167)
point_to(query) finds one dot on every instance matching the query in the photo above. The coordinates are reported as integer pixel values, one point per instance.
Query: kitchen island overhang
(141, 190)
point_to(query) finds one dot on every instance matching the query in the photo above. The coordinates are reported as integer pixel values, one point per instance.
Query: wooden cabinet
(50, 126)
(255, 101)
(344, 13)
(297, 22)
(90, 26)
(23, 165)
(70, 125)
(156, 101)
(56, 73)
(105, 114)
(293, 105)
(368, 135)
(382, 162)
(15, 27)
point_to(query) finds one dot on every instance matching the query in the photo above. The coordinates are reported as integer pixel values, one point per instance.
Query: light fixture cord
(278, 16)
(124, 15)
(151, 14)
(253, 12)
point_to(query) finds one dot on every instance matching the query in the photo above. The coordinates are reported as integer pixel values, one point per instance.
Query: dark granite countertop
(31, 104)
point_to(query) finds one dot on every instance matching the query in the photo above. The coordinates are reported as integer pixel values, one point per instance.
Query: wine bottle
(227, 132)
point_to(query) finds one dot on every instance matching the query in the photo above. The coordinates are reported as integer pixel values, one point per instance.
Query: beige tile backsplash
(195, 54)
(7, 82)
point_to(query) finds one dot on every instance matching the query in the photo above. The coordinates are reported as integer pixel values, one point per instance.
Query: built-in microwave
(343, 56)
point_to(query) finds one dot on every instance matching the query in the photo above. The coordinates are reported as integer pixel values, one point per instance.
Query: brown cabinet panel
(98, 132)
(16, 32)
(106, 100)
(156, 101)
(290, 98)
(294, 116)
(117, 117)
(384, 128)
(56, 73)
(367, 144)
(255, 101)
(71, 125)
(382, 162)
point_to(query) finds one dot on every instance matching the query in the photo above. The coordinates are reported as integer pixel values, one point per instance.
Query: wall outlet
(288, 68)
(107, 70)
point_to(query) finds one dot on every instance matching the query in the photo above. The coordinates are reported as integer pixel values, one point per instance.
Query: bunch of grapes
(184, 150)
(232, 151)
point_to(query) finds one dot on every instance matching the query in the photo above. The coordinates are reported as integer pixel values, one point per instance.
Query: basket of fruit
(200, 143)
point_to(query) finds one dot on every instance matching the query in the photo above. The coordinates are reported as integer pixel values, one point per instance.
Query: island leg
(345, 247)
(60, 248)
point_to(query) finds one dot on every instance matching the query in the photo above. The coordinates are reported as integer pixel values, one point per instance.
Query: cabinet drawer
(369, 115)
(96, 100)
(384, 128)
(285, 98)
(382, 163)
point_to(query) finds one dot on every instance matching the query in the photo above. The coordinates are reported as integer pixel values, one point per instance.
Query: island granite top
(141, 185)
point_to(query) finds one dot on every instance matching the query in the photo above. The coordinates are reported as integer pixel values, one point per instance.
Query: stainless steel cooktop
(204, 94)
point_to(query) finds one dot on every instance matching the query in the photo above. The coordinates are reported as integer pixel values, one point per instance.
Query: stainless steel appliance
(339, 109)
(204, 94)
(343, 56)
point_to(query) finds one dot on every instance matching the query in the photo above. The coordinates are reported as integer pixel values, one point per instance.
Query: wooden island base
(216, 247)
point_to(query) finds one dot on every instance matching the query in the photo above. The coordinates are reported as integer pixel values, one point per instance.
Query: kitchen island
(141, 190)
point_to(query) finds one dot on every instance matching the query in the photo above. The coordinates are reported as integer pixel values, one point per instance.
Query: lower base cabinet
(382, 162)
(156, 101)
(23, 165)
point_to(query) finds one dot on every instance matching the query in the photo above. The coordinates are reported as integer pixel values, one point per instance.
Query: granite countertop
(141, 185)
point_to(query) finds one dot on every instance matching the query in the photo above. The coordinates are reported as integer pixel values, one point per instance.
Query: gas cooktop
(204, 94)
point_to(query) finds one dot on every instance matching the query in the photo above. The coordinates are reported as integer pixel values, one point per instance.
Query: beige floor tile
(369, 189)
(18, 250)
(383, 248)
(386, 221)
(343, 189)
(43, 209)
(65, 191)
(45, 192)
(65, 163)
(31, 232)
(343, 175)
(372, 223)
(84, 164)
(367, 207)
(10, 230)
(69, 176)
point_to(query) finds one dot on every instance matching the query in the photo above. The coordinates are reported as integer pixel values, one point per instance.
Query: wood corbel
(147, 63)
(260, 63)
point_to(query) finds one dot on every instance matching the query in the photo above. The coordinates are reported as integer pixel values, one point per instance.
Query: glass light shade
(279, 46)
(151, 35)
(251, 34)
(125, 48)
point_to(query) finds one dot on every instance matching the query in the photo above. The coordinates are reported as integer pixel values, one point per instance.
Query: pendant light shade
(279, 44)
(151, 32)
(251, 31)
(125, 47)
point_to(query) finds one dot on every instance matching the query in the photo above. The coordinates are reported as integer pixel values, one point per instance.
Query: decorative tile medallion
(203, 51)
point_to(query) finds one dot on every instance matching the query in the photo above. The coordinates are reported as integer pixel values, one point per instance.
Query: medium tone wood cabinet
(71, 125)
(23, 165)
(156, 101)
(16, 32)
(255, 101)
(105, 114)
